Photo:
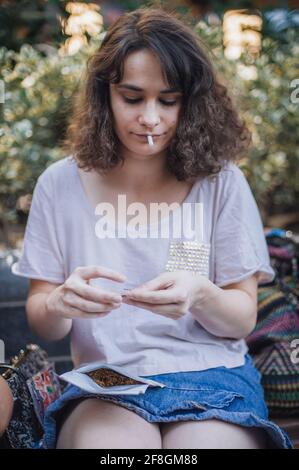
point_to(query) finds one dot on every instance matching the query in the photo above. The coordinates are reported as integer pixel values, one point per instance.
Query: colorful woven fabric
(279, 367)
(278, 317)
(273, 343)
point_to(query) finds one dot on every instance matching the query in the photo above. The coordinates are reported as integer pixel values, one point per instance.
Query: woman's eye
(137, 100)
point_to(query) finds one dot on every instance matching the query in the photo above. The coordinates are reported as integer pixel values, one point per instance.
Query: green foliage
(39, 90)
(261, 88)
(273, 162)
(30, 22)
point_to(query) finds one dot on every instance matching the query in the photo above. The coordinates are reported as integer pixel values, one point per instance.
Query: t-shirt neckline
(91, 209)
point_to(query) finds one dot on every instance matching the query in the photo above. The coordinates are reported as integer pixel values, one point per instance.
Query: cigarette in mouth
(150, 140)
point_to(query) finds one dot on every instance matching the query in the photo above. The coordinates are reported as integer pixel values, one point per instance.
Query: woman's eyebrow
(128, 86)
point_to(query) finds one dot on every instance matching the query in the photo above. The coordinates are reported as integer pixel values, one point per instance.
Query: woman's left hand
(171, 294)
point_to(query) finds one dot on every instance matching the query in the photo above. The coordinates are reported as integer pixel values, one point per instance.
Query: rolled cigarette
(150, 140)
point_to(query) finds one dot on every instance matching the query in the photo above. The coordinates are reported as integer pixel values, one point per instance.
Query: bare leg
(211, 434)
(98, 424)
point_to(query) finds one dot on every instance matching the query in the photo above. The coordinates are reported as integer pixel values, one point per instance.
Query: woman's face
(142, 103)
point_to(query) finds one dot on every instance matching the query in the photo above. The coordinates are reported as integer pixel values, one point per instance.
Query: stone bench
(14, 329)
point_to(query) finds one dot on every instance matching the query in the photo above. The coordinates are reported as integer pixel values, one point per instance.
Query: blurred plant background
(44, 46)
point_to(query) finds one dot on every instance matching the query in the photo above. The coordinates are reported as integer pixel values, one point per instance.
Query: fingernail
(134, 292)
(131, 296)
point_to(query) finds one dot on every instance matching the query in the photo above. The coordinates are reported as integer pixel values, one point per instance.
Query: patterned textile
(34, 385)
(274, 343)
(279, 366)
(278, 317)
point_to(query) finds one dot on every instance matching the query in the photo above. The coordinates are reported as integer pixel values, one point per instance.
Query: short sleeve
(240, 245)
(41, 257)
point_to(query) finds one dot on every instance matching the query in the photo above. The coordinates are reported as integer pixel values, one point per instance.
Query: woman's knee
(98, 424)
(211, 434)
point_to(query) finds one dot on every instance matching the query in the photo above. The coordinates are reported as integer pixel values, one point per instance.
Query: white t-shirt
(60, 236)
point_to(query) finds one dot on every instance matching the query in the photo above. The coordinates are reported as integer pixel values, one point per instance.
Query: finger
(159, 282)
(86, 306)
(90, 272)
(72, 312)
(171, 309)
(171, 296)
(95, 294)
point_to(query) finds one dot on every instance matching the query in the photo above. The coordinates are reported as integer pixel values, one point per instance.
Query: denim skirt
(234, 395)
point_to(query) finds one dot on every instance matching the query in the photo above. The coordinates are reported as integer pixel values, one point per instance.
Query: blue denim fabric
(234, 395)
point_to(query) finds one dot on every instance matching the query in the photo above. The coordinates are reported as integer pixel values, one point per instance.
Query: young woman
(151, 78)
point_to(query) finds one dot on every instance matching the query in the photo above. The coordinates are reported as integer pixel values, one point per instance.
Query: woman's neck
(140, 174)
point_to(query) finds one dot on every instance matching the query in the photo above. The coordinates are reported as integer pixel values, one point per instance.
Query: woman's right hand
(77, 299)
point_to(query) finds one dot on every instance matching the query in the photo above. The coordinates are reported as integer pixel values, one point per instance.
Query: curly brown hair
(210, 131)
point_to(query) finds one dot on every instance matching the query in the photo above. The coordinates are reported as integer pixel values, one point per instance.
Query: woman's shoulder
(230, 171)
(57, 172)
(233, 189)
(230, 175)
(59, 167)
(229, 185)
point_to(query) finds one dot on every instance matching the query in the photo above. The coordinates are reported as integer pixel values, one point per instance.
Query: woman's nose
(150, 116)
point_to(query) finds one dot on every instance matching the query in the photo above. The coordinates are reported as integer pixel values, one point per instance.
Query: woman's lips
(144, 136)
